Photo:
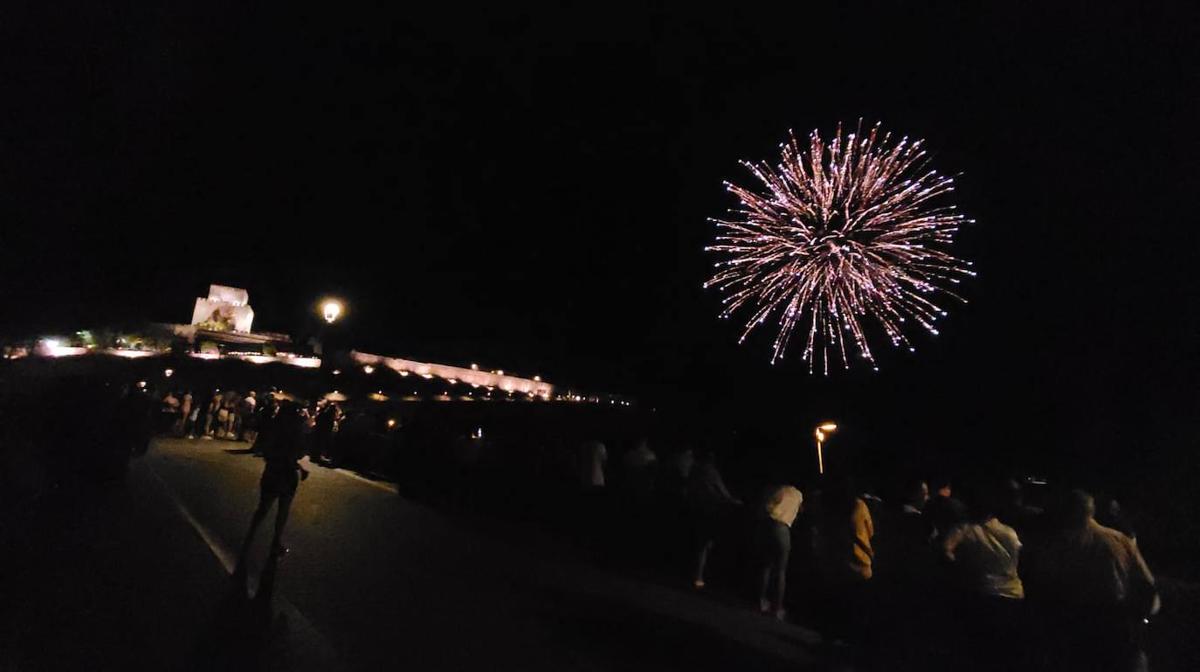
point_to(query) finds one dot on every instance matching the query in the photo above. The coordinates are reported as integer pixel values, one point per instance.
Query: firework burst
(845, 238)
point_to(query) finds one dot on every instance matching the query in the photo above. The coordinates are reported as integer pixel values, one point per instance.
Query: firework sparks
(846, 238)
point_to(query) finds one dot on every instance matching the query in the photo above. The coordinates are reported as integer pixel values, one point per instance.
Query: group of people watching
(980, 577)
(234, 416)
(226, 414)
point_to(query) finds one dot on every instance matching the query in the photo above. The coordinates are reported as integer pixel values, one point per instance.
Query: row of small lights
(380, 396)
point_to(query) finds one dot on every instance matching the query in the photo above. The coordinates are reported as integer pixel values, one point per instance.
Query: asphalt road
(373, 581)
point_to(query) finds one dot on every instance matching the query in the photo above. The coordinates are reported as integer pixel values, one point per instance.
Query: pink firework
(845, 238)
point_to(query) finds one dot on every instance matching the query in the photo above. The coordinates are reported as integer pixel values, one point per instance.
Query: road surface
(139, 576)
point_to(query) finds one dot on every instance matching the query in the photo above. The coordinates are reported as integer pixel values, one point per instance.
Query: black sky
(529, 189)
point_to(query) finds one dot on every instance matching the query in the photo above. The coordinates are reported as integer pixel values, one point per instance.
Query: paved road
(376, 581)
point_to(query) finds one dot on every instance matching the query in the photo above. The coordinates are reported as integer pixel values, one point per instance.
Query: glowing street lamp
(821, 432)
(331, 309)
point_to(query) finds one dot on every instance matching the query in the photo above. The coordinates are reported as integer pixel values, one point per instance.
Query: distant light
(403, 374)
(332, 310)
(337, 372)
(499, 372)
(828, 427)
(169, 372)
(141, 384)
(53, 347)
(129, 353)
(368, 369)
(537, 379)
(391, 423)
(474, 367)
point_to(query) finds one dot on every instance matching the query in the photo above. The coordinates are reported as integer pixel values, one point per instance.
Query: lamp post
(331, 310)
(821, 432)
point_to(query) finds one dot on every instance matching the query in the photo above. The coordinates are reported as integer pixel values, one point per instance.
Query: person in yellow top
(846, 538)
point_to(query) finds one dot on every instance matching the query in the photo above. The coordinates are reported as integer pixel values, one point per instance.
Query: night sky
(529, 190)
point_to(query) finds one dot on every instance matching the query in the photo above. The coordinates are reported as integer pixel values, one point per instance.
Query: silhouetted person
(638, 466)
(908, 576)
(135, 425)
(185, 412)
(193, 420)
(944, 512)
(1113, 516)
(324, 429)
(169, 412)
(1092, 591)
(1015, 513)
(211, 415)
(228, 415)
(590, 462)
(281, 476)
(903, 542)
(268, 414)
(774, 537)
(847, 558)
(709, 502)
(246, 417)
(675, 473)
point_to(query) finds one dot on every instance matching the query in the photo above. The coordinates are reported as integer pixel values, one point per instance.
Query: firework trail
(844, 238)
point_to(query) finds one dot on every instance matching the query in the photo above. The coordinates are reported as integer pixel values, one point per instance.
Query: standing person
(984, 553)
(222, 416)
(230, 407)
(943, 512)
(709, 502)
(1091, 591)
(676, 472)
(639, 465)
(211, 417)
(169, 412)
(782, 505)
(193, 420)
(844, 546)
(1015, 513)
(324, 430)
(280, 478)
(246, 417)
(184, 426)
(903, 546)
(592, 457)
(268, 412)
(1111, 515)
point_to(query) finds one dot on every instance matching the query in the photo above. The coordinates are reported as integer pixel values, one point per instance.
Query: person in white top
(593, 455)
(983, 552)
(986, 552)
(781, 506)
